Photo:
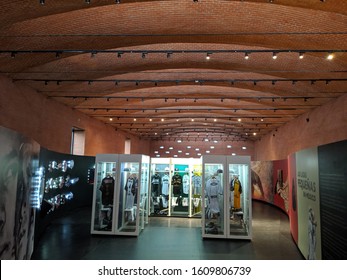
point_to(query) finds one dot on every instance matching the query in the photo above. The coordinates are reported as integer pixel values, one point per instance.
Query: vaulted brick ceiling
(141, 67)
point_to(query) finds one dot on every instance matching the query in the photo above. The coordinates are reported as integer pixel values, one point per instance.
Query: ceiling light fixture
(301, 55)
(42, 2)
(330, 56)
(274, 55)
(208, 56)
(246, 56)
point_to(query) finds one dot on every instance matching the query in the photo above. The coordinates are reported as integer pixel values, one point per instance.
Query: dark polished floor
(168, 239)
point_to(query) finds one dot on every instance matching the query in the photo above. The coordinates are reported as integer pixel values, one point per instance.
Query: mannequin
(177, 186)
(236, 187)
(165, 189)
(196, 183)
(107, 189)
(156, 184)
(186, 184)
(176, 182)
(155, 191)
(130, 188)
(213, 190)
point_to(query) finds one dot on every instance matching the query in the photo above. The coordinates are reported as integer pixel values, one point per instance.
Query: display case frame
(187, 168)
(220, 217)
(103, 212)
(127, 214)
(132, 194)
(160, 187)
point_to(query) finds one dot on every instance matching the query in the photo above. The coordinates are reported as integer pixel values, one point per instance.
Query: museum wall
(50, 123)
(324, 125)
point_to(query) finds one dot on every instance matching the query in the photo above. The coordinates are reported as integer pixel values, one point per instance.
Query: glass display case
(104, 194)
(159, 187)
(226, 196)
(196, 189)
(213, 193)
(175, 187)
(132, 194)
(120, 198)
(239, 194)
(180, 188)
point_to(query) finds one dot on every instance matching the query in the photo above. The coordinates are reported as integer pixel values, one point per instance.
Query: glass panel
(180, 184)
(104, 195)
(160, 189)
(129, 184)
(144, 193)
(196, 190)
(214, 199)
(238, 200)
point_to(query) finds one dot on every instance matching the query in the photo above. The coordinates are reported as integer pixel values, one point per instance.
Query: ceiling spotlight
(143, 55)
(13, 54)
(330, 56)
(117, 1)
(42, 2)
(301, 55)
(208, 56)
(274, 55)
(246, 56)
(168, 55)
(119, 54)
(87, 1)
(57, 54)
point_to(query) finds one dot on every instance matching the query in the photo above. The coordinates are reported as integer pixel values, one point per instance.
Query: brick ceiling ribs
(141, 67)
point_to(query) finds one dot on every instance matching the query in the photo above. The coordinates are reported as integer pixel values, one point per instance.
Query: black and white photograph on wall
(19, 193)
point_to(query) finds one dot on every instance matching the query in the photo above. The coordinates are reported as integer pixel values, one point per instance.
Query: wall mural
(20, 193)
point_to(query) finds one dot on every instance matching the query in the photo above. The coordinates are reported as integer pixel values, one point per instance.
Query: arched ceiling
(141, 67)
